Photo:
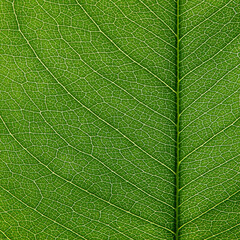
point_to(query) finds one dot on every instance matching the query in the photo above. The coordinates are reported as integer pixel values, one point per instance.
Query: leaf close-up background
(120, 119)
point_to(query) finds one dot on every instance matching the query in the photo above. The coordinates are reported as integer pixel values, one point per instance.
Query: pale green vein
(209, 209)
(129, 57)
(209, 110)
(218, 52)
(204, 93)
(190, 9)
(157, 17)
(13, 217)
(202, 175)
(97, 159)
(108, 80)
(102, 76)
(197, 103)
(222, 231)
(203, 190)
(4, 234)
(147, 31)
(88, 109)
(219, 9)
(165, 9)
(50, 219)
(82, 189)
(209, 140)
(81, 215)
(101, 223)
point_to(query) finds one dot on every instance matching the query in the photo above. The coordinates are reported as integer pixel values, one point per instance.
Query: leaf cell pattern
(120, 119)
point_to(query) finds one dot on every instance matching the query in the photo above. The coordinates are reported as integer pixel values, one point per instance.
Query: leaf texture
(120, 119)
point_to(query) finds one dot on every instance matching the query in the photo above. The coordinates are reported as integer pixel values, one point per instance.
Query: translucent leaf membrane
(89, 119)
(210, 143)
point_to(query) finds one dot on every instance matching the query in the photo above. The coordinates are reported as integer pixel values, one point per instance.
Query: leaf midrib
(178, 131)
(177, 200)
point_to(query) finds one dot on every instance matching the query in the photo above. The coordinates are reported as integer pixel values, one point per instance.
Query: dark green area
(114, 113)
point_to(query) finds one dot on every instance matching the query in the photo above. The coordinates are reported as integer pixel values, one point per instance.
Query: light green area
(120, 119)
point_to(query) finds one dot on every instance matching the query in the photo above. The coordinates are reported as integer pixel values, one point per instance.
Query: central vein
(178, 129)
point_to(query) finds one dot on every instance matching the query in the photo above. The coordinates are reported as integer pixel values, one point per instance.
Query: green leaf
(120, 119)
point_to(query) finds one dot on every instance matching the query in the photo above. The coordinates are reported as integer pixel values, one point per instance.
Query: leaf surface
(120, 119)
